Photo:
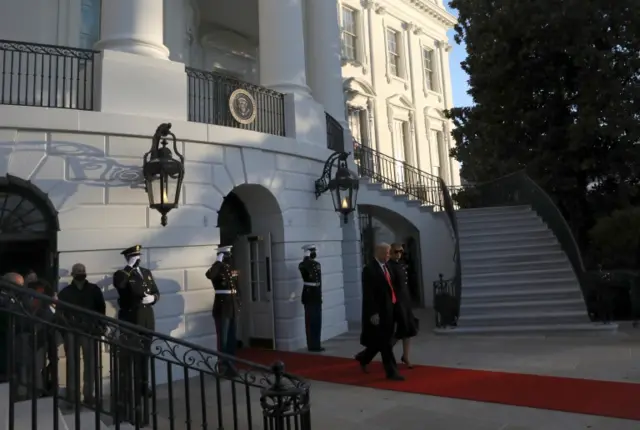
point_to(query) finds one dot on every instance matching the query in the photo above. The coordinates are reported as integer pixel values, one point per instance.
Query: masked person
(138, 293)
(226, 304)
(87, 295)
(311, 272)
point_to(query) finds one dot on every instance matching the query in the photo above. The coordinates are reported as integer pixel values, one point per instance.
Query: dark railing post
(285, 406)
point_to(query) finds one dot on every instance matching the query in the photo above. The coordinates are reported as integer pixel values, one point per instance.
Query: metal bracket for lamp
(322, 183)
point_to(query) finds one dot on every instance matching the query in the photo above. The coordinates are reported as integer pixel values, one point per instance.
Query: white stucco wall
(85, 161)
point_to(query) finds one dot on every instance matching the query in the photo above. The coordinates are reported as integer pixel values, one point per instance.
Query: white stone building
(395, 57)
(74, 125)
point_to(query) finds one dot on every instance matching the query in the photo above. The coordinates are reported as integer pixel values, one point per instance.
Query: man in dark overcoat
(379, 305)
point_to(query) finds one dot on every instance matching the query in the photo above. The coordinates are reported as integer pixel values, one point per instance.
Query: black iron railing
(209, 103)
(50, 76)
(134, 375)
(399, 175)
(449, 209)
(446, 302)
(335, 134)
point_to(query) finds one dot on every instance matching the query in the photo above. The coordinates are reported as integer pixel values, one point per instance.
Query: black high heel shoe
(404, 360)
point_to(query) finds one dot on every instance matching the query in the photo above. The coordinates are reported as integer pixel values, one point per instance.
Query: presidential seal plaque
(242, 106)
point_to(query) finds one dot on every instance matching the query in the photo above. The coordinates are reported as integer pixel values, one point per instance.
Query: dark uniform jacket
(221, 276)
(376, 299)
(311, 272)
(132, 285)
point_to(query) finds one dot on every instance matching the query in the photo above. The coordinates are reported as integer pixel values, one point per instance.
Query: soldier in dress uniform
(311, 273)
(226, 304)
(138, 292)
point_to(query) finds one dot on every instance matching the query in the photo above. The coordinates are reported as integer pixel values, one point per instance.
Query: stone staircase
(515, 276)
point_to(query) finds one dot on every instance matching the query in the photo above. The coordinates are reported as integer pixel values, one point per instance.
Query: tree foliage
(557, 90)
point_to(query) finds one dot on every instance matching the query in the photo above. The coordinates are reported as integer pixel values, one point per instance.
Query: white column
(325, 72)
(133, 26)
(282, 59)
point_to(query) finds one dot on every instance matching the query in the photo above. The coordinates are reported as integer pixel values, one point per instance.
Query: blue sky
(458, 77)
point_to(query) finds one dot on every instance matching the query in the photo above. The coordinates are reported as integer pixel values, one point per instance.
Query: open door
(259, 297)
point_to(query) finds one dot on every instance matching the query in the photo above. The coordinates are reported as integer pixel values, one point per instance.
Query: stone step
(515, 317)
(45, 415)
(87, 421)
(480, 284)
(504, 306)
(518, 275)
(529, 285)
(549, 329)
(478, 296)
(517, 256)
(488, 267)
(506, 235)
(507, 216)
(510, 242)
(498, 225)
(494, 210)
(499, 250)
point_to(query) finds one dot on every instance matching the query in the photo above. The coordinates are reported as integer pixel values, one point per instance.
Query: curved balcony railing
(209, 102)
(182, 385)
(33, 74)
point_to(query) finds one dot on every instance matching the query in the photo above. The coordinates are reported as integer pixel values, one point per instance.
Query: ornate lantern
(343, 187)
(163, 174)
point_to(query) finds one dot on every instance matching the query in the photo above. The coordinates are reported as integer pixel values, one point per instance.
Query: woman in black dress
(407, 326)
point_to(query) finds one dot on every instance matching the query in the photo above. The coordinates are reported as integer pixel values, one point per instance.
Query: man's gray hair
(383, 245)
(16, 278)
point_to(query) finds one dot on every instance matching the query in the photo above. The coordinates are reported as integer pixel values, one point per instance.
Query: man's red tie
(393, 293)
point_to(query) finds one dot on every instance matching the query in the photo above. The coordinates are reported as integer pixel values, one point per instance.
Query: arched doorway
(250, 219)
(28, 230)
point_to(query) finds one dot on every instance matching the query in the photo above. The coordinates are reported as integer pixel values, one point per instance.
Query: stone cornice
(434, 11)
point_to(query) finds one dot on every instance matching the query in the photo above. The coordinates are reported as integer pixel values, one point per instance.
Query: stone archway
(28, 229)
(251, 220)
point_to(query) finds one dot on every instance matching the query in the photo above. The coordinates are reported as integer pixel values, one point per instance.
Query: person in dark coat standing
(226, 304)
(379, 313)
(311, 272)
(407, 326)
(138, 293)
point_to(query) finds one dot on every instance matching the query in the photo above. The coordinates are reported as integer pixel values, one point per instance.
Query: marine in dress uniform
(226, 304)
(311, 272)
(138, 292)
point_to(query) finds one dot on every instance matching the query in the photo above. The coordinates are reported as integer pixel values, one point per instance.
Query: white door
(257, 295)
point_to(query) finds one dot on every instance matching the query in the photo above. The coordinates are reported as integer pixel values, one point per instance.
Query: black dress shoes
(316, 349)
(395, 378)
(363, 366)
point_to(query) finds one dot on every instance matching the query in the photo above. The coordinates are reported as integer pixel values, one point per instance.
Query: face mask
(313, 255)
(79, 278)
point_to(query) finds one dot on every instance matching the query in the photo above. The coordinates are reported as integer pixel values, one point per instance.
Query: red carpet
(583, 396)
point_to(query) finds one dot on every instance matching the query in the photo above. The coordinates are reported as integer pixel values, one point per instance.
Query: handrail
(453, 221)
(25, 311)
(398, 174)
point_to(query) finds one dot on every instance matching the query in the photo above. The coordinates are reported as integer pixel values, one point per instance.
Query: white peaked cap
(224, 249)
(310, 247)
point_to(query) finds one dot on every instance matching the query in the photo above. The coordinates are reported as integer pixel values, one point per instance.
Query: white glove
(375, 319)
(148, 299)
(133, 260)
